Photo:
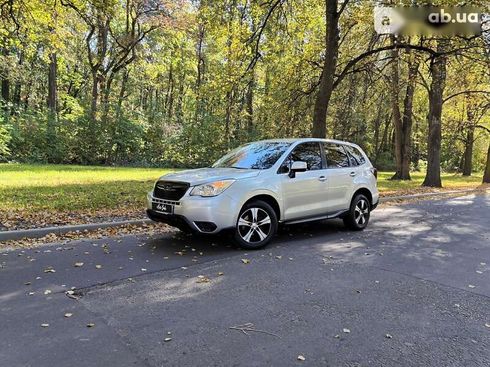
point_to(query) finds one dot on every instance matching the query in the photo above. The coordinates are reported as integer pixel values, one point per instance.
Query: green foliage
(202, 81)
(5, 137)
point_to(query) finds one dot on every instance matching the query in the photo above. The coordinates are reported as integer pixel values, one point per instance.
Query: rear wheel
(359, 213)
(256, 225)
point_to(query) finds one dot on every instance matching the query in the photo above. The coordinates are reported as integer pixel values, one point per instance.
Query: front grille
(170, 190)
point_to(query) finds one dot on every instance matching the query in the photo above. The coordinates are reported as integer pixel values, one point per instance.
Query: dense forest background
(177, 83)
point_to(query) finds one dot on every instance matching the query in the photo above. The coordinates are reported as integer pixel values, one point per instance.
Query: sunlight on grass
(71, 188)
(449, 181)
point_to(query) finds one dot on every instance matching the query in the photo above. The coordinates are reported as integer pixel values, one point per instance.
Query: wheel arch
(364, 191)
(269, 199)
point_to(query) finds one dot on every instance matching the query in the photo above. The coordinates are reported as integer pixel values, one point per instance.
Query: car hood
(204, 175)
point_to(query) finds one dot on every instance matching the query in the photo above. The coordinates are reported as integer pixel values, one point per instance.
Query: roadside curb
(41, 232)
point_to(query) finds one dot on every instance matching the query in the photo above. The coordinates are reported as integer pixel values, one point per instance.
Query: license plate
(163, 208)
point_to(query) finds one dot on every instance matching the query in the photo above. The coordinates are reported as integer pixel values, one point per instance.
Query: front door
(306, 194)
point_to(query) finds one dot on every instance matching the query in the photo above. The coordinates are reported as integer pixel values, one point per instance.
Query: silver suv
(261, 184)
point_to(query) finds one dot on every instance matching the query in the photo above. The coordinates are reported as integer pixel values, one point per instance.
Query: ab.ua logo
(428, 20)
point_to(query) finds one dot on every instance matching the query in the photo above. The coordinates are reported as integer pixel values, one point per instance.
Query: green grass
(449, 181)
(67, 188)
(73, 188)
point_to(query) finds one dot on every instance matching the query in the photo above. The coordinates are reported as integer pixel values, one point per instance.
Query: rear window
(355, 156)
(336, 156)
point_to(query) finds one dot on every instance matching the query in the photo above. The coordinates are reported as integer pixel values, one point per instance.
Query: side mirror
(298, 166)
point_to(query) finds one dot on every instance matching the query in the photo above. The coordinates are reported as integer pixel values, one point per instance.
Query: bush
(4, 141)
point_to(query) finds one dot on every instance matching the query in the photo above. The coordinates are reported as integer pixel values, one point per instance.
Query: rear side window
(355, 156)
(306, 152)
(336, 156)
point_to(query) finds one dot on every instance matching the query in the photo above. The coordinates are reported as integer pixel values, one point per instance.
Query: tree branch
(362, 56)
(464, 92)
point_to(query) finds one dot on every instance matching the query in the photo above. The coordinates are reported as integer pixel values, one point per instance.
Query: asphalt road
(411, 290)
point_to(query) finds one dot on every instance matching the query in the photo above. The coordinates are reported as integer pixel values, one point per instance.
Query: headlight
(212, 188)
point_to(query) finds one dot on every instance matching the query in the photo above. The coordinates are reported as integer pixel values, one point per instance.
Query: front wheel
(256, 225)
(359, 213)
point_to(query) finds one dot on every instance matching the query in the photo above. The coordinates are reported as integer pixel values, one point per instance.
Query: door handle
(322, 178)
(352, 174)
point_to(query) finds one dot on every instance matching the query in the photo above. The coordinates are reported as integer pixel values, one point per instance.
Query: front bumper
(197, 214)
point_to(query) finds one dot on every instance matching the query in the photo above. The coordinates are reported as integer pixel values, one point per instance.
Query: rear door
(306, 194)
(340, 176)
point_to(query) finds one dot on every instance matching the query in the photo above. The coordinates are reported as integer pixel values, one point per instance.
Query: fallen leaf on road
(301, 358)
(246, 261)
(78, 265)
(71, 294)
(202, 279)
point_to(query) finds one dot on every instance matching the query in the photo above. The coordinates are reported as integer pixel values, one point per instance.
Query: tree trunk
(468, 151)
(18, 85)
(52, 84)
(486, 175)
(95, 96)
(52, 108)
(319, 129)
(250, 104)
(403, 124)
(5, 84)
(438, 83)
(397, 118)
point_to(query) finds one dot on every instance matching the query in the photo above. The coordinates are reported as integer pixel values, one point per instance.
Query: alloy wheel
(254, 225)
(361, 212)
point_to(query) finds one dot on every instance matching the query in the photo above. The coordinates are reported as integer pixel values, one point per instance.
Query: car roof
(305, 140)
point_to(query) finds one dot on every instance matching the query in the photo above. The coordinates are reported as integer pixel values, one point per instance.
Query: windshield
(260, 155)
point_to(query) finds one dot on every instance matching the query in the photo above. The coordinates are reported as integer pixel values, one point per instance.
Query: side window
(356, 157)
(306, 152)
(336, 156)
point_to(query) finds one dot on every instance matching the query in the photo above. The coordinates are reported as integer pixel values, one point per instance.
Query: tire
(359, 212)
(249, 233)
